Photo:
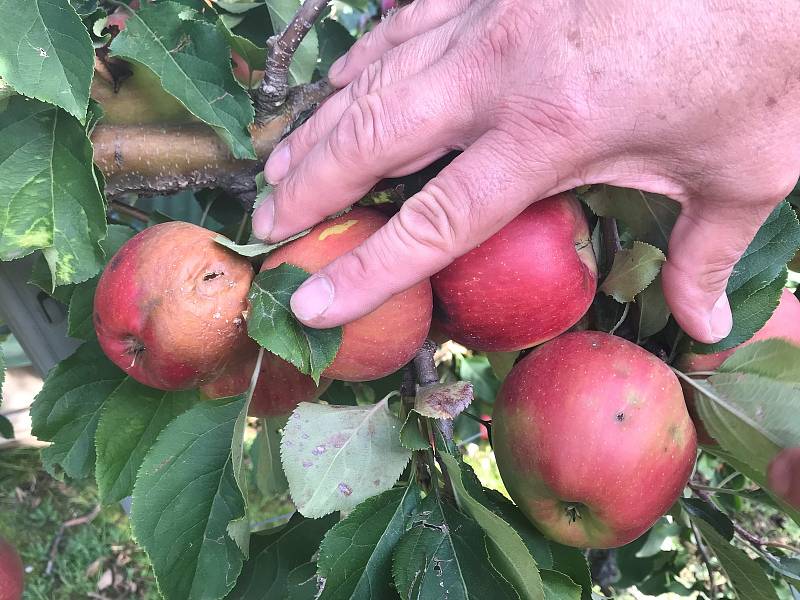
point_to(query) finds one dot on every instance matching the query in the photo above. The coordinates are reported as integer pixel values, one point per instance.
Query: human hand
(784, 476)
(696, 100)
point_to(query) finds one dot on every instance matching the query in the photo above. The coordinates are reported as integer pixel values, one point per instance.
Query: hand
(784, 476)
(696, 100)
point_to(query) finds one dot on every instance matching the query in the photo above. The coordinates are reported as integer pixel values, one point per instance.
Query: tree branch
(126, 209)
(271, 94)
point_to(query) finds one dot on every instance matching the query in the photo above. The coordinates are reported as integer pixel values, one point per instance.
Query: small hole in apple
(212, 275)
(620, 416)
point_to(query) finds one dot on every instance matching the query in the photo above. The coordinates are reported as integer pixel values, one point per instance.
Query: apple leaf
(49, 196)
(186, 495)
(410, 434)
(68, 408)
(355, 558)
(478, 371)
(634, 269)
(502, 363)
(335, 457)
(775, 359)
(572, 562)
(304, 60)
(275, 553)
(653, 310)
(46, 53)
(258, 248)
(254, 56)
(443, 400)
(537, 544)
(266, 457)
(700, 509)
(509, 554)
(191, 57)
(334, 41)
(271, 323)
(443, 555)
(746, 577)
(558, 586)
(6, 428)
(131, 419)
(757, 280)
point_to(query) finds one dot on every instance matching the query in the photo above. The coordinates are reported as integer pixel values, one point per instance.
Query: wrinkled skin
(168, 306)
(696, 100)
(384, 340)
(592, 439)
(279, 389)
(11, 572)
(531, 281)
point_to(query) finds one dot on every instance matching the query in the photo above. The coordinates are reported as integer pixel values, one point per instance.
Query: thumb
(707, 241)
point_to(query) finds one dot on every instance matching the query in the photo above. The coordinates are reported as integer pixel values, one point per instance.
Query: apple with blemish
(11, 572)
(783, 324)
(169, 306)
(382, 341)
(279, 389)
(592, 439)
(531, 281)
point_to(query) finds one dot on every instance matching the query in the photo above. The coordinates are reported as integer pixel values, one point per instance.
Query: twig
(127, 209)
(621, 319)
(706, 558)
(87, 518)
(272, 92)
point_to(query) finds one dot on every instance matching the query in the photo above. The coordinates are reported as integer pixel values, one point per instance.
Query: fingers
(783, 476)
(396, 28)
(380, 133)
(472, 198)
(707, 241)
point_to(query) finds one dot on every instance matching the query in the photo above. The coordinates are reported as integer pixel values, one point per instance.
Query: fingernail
(780, 476)
(264, 218)
(278, 164)
(312, 298)
(721, 318)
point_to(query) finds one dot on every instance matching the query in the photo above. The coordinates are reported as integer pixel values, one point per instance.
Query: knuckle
(361, 131)
(430, 219)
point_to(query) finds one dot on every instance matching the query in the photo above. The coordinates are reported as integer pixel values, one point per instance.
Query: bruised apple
(784, 324)
(279, 389)
(592, 439)
(11, 572)
(381, 342)
(531, 281)
(168, 306)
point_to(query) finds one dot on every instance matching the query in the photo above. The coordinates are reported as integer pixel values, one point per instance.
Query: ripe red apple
(381, 342)
(528, 283)
(11, 572)
(784, 323)
(279, 389)
(168, 306)
(592, 439)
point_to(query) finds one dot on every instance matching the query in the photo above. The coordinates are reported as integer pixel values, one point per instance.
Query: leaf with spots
(443, 400)
(271, 323)
(335, 457)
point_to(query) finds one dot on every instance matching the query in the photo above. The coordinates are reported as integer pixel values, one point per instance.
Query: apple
(592, 439)
(244, 75)
(784, 323)
(783, 475)
(168, 306)
(11, 572)
(279, 389)
(381, 342)
(528, 283)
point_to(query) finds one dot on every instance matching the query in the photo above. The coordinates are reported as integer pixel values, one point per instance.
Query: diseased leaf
(49, 197)
(335, 457)
(443, 400)
(304, 60)
(355, 558)
(184, 499)
(192, 59)
(46, 53)
(271, 323)
(633, 270)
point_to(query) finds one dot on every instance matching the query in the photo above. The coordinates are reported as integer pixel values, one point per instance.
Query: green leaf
(572, 562)
(355, 558)
(558, 586)
(266, 456)
(746, 577)
(410, 434)
(6, 428)
(254, 56)
(700, 509)
(537, 544)
(84, 7)
(650, 217)
(67, 410)
(335, 457)
(443, 400)
(275, 553)
(192, 59)
(757, 280)
(304, 60)
(334, 41)
(508, 552)
(185, 496)
(502, 363)
(302, 582)
(443, 555)
(271, 323)
(132, 417)
(256, 249)
(653, 310)
(46, 53)
(775, 359)
(633, 270)
(478, 371)
(49, 197)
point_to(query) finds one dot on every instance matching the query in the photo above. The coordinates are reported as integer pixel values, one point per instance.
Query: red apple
(241, 70)
(783, 475)
(168, 306)
(387, 338)
(11, 572)
(279, 389)
(531, 281)
(592, 439)
(784, 323)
